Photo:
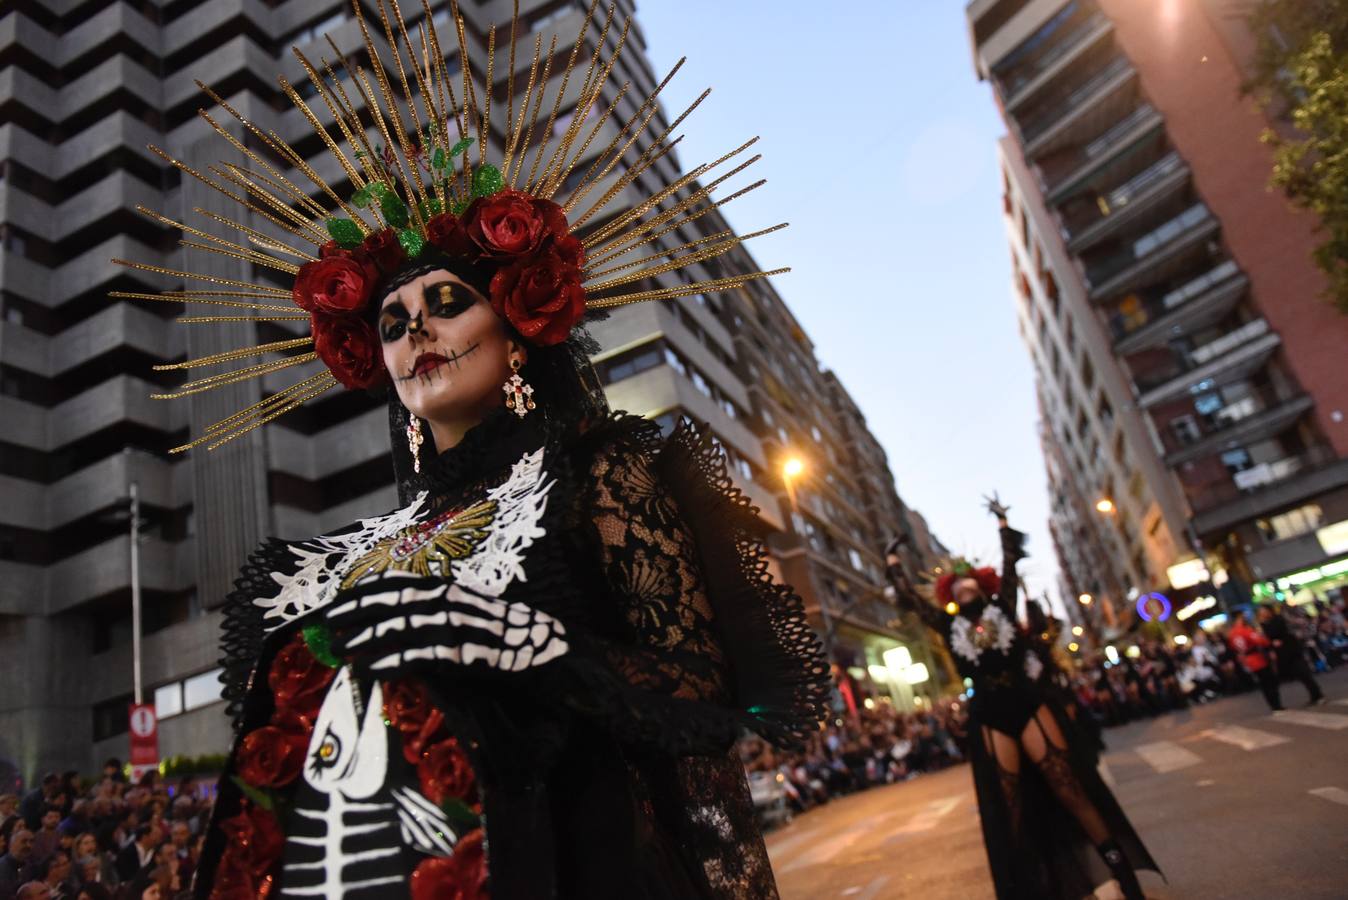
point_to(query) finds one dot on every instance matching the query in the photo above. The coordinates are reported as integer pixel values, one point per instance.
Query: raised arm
(1013, 550)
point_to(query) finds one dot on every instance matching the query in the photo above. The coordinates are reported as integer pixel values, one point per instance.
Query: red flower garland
(987, 578)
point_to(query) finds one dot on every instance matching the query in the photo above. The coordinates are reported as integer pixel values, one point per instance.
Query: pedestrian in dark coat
(1290, 651)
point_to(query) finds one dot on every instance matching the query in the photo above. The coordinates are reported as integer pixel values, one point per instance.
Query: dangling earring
(518, 395)
(414, 441)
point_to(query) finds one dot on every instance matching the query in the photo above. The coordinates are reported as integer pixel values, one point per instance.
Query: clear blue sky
(878, 144)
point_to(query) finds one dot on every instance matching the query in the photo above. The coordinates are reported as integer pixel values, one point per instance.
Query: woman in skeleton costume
(526, 681)
(1051, 826)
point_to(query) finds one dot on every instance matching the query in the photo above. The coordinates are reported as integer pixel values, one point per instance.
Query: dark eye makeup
(444, 300)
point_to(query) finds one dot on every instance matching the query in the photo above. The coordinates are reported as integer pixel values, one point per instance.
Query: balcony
(1094, 159)
(1130, 201)
(1237, 353)
(1086, 110)
(1150, 253)
(1260, 413)
(1266, 488)
(1165, 314)
(1028, 78)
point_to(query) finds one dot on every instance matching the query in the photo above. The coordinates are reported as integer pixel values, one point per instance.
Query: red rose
(350, 348)
(333, 249)
(570, 249)
(408, 708)
(384, 251)
(462, 876)
(445, 772)
(336, 284)
(298, 681)
(254, 841)
(446, 233)
(510, 223)
(271, 756)
(541, 297)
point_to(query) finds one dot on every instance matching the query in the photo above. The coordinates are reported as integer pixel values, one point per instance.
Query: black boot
(1122, 870)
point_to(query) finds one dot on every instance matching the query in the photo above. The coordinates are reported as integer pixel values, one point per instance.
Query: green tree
(1300, 74)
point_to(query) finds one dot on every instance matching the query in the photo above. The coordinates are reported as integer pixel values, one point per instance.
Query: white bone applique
(351, 826)
(993, 630)
(489, 553)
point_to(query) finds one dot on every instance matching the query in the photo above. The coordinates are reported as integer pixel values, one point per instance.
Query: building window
(200, 690)
(1293, 523)
(168, 700)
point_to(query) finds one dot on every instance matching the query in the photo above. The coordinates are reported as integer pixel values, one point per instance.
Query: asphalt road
(1234, 802)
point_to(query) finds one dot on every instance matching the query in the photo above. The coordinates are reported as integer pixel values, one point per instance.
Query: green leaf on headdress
(962, 567)
(361, 197)
(487, 181)
(394, 210)
(460, 147)
(318, 638)
(377, 189)
(438, 159)
(259, 797)
(430, 207)
(458, 207)
(345, 232)
(412, 241)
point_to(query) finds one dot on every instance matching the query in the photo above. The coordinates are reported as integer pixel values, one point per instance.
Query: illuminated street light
(1085, 599)
(1074, 646)
(1078, 630)
(792, 467)
(1105, 505)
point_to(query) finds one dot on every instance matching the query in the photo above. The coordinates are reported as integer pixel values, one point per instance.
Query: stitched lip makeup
(427, 362)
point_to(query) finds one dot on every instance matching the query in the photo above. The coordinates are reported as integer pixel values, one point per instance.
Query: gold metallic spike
(250, 256)
(698, 287)
(382, 125)
(214, 381)
(245, 179)
(357, 181)
(354, 123)
(330, 101)
(214, 279)
(257, 237)
(647, 108)
(689, 259)
(653, 154)
(241, 353)
(484, 130)
(203, 320)
(275, 399)
(516, 128)
(590, 92)
(434, 121)
(411, 176)
(510, 77)
(538, 107)
(564, 170)
(177, 297)
(414, 155)
(241, 200)
(631, 216)
(561, 95)
(470, 104)
(294, 404)
(635, 237)
(591, 272)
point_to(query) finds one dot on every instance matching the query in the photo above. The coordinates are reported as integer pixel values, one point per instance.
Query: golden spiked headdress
(421, 183)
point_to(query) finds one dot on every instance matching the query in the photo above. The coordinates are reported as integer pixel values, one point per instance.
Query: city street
(1234, 803)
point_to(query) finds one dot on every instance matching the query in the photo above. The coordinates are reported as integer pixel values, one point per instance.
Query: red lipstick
(427, 362)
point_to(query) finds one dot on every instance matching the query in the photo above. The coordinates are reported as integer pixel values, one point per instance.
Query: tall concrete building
(1191, 387)
(84, 88)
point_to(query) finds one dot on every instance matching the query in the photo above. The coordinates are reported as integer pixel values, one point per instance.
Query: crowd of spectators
(1163, 676)
(69, 840)
(879, 745)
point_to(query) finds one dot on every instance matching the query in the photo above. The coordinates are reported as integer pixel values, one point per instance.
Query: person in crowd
(9, 806)
(35, 802)
(137, 855)
(55, 873)
(1290, 651)
(47, 839)
(92, 890)
(16, 866)
(1252, 650)
(1034, 828)
(34, 890)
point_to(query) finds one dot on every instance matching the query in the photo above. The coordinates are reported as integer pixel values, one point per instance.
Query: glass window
(1293, 523)
(202, 689)
(168, 700)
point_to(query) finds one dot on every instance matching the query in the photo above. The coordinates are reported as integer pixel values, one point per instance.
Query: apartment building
(1191, 406)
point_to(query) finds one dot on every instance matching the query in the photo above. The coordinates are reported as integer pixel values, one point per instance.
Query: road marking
(1332, 794)
(1332, 721)
(930, 816)
(1166, 756)
(870, 891)
(1244, 738)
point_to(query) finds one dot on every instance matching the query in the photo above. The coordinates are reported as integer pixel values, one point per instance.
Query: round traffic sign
(142, 721)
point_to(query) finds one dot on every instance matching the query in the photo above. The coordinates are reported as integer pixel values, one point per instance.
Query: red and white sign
(144, 740)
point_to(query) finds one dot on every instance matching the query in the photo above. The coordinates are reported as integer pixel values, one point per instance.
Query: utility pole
(135, 592)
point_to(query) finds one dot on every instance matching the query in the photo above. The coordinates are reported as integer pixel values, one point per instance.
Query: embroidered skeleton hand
(395, 622)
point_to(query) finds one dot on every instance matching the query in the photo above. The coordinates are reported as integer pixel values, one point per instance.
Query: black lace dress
(594, 626)
(1034, 769)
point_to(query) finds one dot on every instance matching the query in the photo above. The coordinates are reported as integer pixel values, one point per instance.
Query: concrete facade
(1162, 282)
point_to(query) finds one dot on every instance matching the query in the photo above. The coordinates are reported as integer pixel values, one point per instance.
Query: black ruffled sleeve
(1013, 551)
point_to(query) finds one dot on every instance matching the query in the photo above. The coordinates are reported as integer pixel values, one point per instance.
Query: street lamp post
(135, 593)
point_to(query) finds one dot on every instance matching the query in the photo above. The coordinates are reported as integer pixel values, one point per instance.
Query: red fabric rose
(541, 297)
(445, 772)
(570, 249)
(446, 233)
(254, 841)
(512, 224)
(335, 285)
(462, 876)
(384, 251)
(988, 580)
(408, 708)
(298, 682)
(349, 348)
(271, 756)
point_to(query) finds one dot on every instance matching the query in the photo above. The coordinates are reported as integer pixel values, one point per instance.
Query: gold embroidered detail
(428, 547)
